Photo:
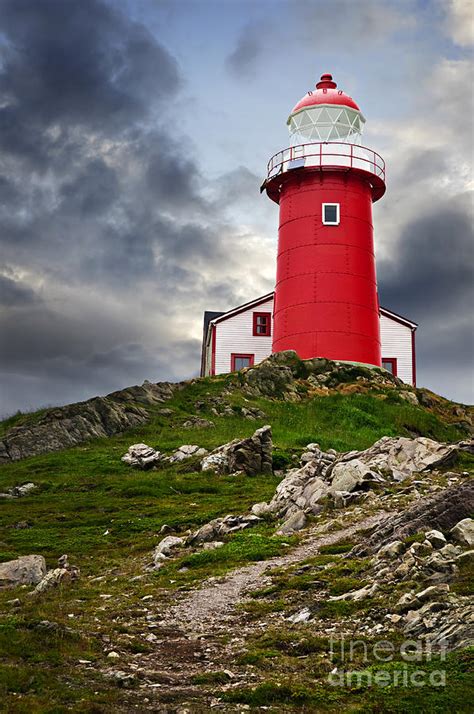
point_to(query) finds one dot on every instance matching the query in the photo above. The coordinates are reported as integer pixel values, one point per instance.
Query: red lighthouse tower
(326, 302)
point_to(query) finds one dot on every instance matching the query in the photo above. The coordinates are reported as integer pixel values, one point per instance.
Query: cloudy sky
(134, 136)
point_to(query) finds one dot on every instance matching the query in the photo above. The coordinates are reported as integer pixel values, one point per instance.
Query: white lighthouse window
(331, 214)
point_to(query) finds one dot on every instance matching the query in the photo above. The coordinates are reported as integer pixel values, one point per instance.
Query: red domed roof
(325, 93)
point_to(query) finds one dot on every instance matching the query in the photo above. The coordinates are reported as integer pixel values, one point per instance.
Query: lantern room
(326, 114)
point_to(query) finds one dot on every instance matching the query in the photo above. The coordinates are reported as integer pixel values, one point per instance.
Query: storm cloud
(133, 138)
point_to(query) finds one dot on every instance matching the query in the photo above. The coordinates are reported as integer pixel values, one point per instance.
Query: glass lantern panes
(326, 123)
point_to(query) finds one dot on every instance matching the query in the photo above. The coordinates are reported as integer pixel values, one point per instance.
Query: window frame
(268, 315)
(338, 214)
(393, 361)
(237, 355)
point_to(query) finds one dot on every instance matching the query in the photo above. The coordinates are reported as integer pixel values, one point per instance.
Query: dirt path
(214, 603)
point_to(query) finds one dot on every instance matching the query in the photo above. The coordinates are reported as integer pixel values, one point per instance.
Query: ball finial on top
(326, 82)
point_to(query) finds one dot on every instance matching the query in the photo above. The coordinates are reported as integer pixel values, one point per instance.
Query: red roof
(326, 92)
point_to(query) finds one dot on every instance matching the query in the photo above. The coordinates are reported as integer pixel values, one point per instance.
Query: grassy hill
(107, 517)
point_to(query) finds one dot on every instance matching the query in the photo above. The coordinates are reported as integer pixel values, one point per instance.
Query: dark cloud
(431, 271)
(15, 294)
(430, 279)
(77, 64)
(242, 60)
(102, 203)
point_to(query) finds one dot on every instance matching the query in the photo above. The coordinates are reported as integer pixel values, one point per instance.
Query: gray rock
(214, 545)
(220, 527)
(63, 427)
(466, 558)
(186, 451)
(19, 491)
(400, 457)
(55, 577)
(196, 422)
(167, 545)
(294, 523)
(261, 509)
(351, 475)
(141, 456)
(441, 510)
(433, 592)
(360, 594)
(436, 538)
(408, 601)
(25, 570)
(252, 456)
(463, 532)
(302, 616)
(391, 550)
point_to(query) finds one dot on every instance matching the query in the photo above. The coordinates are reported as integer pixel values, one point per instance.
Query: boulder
(19, 491)
(302, 616)
(442, 511)
(463, 532)
(167, 545)
(294, 523)
(219, 527)
(400, 457)
(25, 570)
(436, 538)
(63, 427)
(391, 550)
(58, 576)
(141, 456)
(196, 422)
(433, 592)
(360, 594)
(252, 456)
(186, 451)
(348, 476)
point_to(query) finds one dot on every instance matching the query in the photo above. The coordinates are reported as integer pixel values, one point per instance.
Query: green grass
(312, 691)
(107, 517)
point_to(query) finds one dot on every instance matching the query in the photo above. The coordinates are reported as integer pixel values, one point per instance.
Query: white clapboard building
(243, 336)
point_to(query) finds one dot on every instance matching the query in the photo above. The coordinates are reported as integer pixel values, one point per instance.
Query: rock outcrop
(142, 456)
(252, 456)
(64, 573)
(25, 570)
(277, 376)
(19, 491)
(62, 427)
(401, 457)
(350, 476)
(441, 511)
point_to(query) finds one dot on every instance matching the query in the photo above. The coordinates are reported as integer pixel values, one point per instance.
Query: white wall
(396, 342)
(236, 335)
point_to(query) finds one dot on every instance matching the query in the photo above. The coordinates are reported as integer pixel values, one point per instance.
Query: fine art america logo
(408, 669)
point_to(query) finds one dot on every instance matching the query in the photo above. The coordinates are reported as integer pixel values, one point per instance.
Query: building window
(390, 364)
(262, 324)
(238, 362)
(331, 214)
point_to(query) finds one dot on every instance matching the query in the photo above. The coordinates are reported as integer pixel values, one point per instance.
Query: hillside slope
(220, 627)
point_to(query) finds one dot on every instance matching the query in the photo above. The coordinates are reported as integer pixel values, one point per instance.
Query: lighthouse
(325, 182)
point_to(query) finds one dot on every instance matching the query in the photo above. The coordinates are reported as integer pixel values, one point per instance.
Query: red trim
(413, 358)
(213, 352)
(393, 362)
(268, 324)
(235, 355)
(254, 303)
(244, 308)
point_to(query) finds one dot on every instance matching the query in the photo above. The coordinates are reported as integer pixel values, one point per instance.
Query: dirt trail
(214, 603)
